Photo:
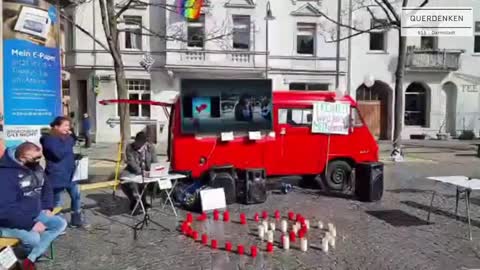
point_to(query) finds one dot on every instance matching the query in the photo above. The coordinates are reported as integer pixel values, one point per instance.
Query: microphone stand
(146, 216)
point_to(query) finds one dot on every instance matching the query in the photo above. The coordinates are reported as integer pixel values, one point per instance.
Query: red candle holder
(277, 214)
(292, 236)
(240, 250)
(291, 216)
(264, 214)
(226, 216)
(270, 247)
(195, 235)
(299, 216)
(214, 244)
(253, 251)
(189, 217)
(256, 217)
(204, 239)
(228, 246)
(243, 219)
(216, 215)
(301, 233)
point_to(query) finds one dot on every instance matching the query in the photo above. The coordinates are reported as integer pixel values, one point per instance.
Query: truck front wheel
(338, 175)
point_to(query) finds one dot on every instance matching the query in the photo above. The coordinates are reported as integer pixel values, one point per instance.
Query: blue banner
(31, 94)
(32, 82)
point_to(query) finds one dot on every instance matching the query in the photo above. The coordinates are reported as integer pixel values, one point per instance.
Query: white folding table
(167, 184)
(463, 184)
(141, 181)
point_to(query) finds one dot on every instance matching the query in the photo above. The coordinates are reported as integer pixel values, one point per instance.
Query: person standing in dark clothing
(86, 127)
(60, 167)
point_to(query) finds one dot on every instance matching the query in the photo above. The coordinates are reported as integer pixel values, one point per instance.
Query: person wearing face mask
(60, 167)
(139, 157)
(26, 202)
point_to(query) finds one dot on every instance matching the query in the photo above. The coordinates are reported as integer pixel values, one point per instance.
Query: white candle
(286, 242)
(272, 226)
(332, 241)
(325, 244)
(265, 225)
(307, 223)
(332, 229)
(261, 232)
(320, 224)
(284, 226)
(270, 236)
(303, 244)
(295, 228)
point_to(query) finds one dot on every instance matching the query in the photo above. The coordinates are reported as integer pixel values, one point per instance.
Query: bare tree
(389, 18)
(111, 14)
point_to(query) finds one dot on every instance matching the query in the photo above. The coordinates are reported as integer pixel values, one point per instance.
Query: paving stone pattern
(391, 234)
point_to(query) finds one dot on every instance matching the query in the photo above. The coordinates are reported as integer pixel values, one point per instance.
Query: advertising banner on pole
(31, 69)
(331, 118)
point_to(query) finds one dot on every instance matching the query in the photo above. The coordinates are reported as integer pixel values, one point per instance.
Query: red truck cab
(290, 148)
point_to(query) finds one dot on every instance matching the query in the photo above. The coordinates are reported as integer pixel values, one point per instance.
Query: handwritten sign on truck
(331, 118)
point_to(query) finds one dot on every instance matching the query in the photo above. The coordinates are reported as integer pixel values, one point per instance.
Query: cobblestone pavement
(391, 234)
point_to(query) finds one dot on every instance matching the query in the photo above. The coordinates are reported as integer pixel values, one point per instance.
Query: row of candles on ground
(267, 229)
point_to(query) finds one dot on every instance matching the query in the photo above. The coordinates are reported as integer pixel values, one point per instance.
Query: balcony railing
(435, 60)
(225, 58)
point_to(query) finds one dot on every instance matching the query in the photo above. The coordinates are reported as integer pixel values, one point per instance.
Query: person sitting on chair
(26, 202)
(139, 157)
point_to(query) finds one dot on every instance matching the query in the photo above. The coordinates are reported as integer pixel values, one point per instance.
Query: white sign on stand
(212, 199)
(7, 258)
(331, 118)
(227, 136)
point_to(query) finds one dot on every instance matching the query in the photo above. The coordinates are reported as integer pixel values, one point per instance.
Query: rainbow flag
(189, 9)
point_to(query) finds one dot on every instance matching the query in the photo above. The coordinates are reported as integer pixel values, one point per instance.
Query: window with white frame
(133, 32)
(196, 32)
(476, 45)
(306, 38)
(241, 32)
(309, 86)
(378, 36)
(138, 90)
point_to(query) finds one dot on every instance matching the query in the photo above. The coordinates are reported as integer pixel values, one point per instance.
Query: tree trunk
(399, 95)
(122, 93)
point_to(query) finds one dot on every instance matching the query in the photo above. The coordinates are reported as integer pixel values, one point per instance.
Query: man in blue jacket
(26, 201)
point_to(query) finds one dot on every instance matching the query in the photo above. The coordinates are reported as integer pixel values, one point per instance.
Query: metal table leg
(467, 204)
(169, 198)
(139, 201)
(431, 204)
(456, 203)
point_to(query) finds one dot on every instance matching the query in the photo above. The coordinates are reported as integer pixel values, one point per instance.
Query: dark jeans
(133, 191)
(88, 140)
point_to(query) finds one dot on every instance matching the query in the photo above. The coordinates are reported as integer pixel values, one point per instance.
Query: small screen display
(214, 106)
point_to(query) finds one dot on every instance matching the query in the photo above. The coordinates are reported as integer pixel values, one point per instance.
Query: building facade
(286, 41)
(441, 83)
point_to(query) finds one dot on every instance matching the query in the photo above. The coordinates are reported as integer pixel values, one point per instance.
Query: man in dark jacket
(139, 157)
(26, 201)
(86, 127)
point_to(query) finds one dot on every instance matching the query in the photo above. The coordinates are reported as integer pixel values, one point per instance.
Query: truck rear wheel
(338, 175)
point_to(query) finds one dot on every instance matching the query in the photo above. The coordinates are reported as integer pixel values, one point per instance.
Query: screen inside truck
(214, 106)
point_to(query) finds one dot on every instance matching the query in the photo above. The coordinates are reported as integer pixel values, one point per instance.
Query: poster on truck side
(331, 118)
(31, 69)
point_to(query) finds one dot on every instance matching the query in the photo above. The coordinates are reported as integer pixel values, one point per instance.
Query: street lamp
(268, 17)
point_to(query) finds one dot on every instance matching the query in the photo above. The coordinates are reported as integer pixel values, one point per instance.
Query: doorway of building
(416, 105)
(82, 102)
(449, 90)
(374, 105)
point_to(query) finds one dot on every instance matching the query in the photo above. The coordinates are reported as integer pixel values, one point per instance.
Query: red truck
(289, 148)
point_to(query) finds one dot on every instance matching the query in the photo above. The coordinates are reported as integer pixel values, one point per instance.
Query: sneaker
(28, 265)
(78, 221)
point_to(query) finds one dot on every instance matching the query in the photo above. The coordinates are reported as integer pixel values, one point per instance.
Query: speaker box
(369, 181)
(252, 186)
(226, 178)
